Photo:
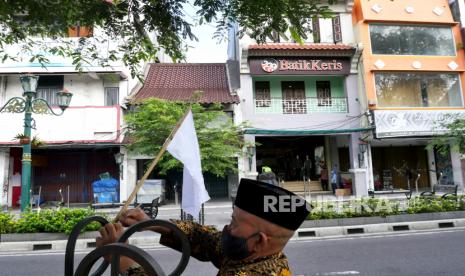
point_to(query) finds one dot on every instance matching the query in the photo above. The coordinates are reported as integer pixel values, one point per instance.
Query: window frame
(412, 25)
(324, 101)
(50, 88)
(105, 93)
(266, 101)
(420, 91)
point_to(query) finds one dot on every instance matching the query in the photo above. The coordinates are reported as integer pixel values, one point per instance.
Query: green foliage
(48, 221)
(454, 137)
(374, 207)
(219, 139)
(6, 223)
(432, 204)
(130, 22)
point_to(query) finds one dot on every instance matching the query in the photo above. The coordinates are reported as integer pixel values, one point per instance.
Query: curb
(87, 243)
(60, 245)
(377, 228)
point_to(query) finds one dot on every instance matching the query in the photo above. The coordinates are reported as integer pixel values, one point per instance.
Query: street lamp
(250, 154)
(362, 147)
(119, 159)
(29, 104)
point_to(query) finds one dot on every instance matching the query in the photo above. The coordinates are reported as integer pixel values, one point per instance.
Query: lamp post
(29, 104)
(250, 154)
(362, 147)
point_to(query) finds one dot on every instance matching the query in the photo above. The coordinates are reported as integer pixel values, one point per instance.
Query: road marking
(55, 253)
(339, 273)
(372, 236)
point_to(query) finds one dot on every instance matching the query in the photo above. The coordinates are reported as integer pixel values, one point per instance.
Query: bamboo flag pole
(195, 96)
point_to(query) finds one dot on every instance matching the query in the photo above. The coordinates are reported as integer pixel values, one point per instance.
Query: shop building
(301, 103)
(412, 71)
(79, 145)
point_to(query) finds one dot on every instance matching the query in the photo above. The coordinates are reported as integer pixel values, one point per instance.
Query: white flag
(185, 147)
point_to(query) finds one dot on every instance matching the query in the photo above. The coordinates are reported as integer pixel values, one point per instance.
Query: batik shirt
(205, 246)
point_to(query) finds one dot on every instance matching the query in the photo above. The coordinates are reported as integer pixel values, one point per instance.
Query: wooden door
(323, 93)
(294, 101)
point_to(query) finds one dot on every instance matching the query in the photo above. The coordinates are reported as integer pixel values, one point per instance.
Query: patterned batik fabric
(206, 246)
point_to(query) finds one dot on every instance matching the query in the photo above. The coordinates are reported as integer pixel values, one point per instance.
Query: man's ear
(260, 243)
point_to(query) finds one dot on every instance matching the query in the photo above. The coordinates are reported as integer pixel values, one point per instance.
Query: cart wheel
(71, 245)
(150, 266)
(185, 245)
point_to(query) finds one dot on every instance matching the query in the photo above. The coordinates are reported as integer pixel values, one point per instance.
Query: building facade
(302, 105)
(177, 82)
(412, 71)
(79, 145)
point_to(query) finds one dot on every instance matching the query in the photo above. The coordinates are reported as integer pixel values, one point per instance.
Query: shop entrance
(290, 157)
(397, 167)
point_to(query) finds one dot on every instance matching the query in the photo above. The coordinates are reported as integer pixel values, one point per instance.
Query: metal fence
(301, 106)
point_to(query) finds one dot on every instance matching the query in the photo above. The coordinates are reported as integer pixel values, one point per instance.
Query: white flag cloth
(185, 147)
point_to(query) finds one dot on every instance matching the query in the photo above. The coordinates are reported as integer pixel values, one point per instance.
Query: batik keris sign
(299, 66)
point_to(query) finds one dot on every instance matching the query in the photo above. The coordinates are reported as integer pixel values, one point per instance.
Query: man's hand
(109, 234)
(133, 216)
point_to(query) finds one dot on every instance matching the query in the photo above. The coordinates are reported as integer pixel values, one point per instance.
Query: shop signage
(402, 123)
(299, 66)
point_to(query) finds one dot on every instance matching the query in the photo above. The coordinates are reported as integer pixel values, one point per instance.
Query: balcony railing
(301, 106)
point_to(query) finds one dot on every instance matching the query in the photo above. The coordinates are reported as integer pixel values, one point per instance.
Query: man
(334, 178)
(307, 168)
(268, 176)
(251, 244)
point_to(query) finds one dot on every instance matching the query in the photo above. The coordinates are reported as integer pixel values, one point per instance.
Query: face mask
(234, 247)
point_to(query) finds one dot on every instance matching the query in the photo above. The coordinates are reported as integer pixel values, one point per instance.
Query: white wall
(86, 119)
(457, 169)
(4, 167)
(76, 124)
(58, 63)
(326, 29)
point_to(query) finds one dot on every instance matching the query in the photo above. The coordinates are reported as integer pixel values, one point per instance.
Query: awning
(305, 132)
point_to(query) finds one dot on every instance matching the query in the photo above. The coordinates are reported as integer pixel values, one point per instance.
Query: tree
(151, 121)
(130, 23)
(454, 137)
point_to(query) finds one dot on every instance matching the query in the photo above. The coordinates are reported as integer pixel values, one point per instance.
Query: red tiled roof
(177, 82)
(297, 46)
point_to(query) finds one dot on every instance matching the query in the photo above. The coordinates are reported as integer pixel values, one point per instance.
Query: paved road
(440, 252)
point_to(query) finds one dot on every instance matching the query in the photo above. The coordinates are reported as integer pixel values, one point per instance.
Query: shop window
(455, 9)
(326, 30)
(418, 90)
(337, 33)
(323, 93)
(111, 96)
(262, 94)
(316, 30)
(48, 86)
(294, 100)
(275, 36)
(412, 40)
(80, 31)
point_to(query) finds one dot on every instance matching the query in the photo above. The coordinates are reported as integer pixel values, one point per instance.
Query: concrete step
(298, 186)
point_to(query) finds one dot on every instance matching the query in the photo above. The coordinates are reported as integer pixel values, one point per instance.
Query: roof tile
(177, 82)
(297, 46)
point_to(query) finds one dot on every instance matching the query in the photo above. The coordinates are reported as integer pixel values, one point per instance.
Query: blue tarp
(105, 190)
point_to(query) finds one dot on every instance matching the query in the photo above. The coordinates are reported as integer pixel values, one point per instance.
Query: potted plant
(36, 142)
(23, 139)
